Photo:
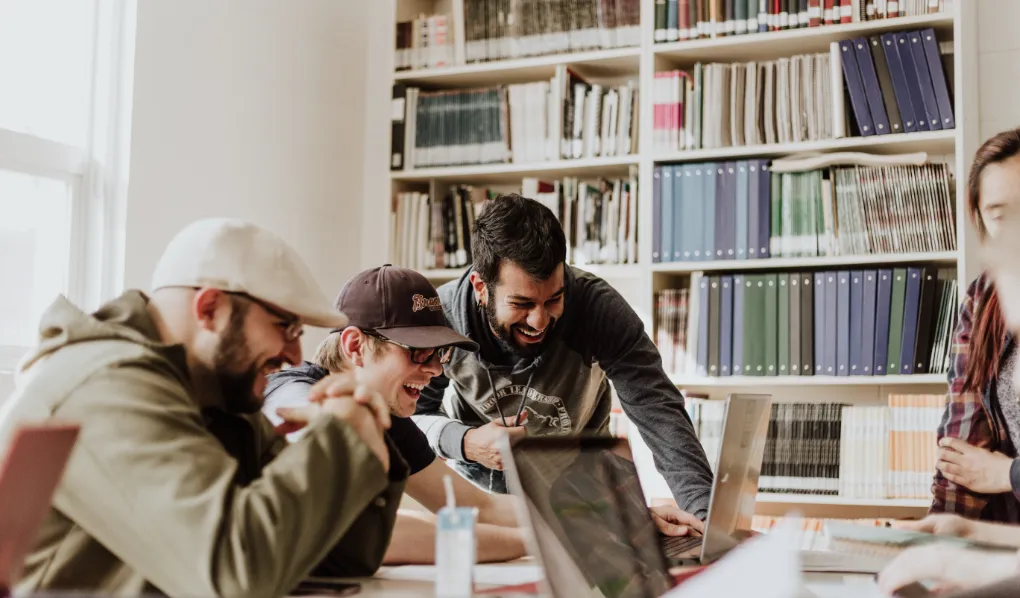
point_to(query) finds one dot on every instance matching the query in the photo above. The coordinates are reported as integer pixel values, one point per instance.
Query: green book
(750, 323)
(783, 358)
(771, 318)
(899, 291)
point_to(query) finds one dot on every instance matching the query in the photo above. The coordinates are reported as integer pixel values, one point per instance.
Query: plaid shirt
(976, 419)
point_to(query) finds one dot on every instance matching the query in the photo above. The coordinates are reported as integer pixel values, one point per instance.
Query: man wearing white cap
(178, 483)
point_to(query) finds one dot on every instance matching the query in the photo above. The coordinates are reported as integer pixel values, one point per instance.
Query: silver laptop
(590, 524)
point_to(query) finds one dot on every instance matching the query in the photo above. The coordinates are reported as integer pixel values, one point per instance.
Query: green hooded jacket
(161, 495)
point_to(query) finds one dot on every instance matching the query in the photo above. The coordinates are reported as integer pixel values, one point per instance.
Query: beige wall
(998, 65)
(253, 109)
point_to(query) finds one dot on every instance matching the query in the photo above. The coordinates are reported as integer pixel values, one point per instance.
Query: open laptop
(591, 527)
(31, 469)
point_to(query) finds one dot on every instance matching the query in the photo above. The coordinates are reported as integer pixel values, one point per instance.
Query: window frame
(97, 171)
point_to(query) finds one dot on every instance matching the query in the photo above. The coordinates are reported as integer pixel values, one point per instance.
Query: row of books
(566, 117)
(833, 449)
(599, 217)
(742, 209)
(427, 233)
(424, 42)
(506, 29)
(693, 19)
(861, 322)
(882, 84)
(719, 105)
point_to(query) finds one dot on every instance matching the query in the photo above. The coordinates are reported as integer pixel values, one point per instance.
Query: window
(65, 68)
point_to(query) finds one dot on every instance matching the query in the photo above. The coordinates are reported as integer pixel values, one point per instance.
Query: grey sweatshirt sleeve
(291, 394)
(648, 398)
(446, 435)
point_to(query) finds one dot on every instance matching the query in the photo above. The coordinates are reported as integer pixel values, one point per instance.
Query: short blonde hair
(330, 352)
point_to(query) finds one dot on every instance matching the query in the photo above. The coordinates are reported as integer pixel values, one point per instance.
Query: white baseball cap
(239, 257)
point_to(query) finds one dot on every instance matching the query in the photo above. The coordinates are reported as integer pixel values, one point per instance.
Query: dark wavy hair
(519, 230)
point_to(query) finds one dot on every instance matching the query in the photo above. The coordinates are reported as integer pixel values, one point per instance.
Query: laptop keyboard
(674, 546)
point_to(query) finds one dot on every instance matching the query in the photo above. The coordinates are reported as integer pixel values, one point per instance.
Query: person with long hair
(977, 473)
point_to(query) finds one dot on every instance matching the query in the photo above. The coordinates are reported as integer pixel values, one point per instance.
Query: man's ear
(479, 286)
(207, 305)
(353, 343)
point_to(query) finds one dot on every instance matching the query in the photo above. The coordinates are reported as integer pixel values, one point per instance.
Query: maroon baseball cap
(401, 305)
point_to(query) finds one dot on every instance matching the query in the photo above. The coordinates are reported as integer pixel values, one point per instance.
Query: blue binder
(872, 89)
(855, 87)
(900, 88)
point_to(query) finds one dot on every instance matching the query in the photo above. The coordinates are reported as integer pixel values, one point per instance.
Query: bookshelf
(641, 282)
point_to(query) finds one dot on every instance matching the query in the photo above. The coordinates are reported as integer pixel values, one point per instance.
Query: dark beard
(505, 335)
(231, 355)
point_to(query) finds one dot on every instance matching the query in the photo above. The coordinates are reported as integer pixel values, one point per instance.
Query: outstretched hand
(673, 521)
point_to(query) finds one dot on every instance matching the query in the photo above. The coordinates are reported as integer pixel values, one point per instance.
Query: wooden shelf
(839, 507)
(933, 142)
(772, 381)
(775, 44)
(506, 173)
(795, 263)
(817, 499)
(611, 63)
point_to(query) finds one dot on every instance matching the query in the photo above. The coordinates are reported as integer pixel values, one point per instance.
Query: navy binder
(883, 303)
(916, 68)
(856, 323)
(938, 78)
(911, 304)
(855, 87)
(842, 323)
(872, 89)
(899, 79)
(764, 208)
(753, 210)
(869, 289)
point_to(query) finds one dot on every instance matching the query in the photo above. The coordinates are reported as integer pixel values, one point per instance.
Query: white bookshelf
(639, 282)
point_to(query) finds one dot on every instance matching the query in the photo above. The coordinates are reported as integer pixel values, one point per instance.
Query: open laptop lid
(29, 474)
(735, 486)
(589, 519)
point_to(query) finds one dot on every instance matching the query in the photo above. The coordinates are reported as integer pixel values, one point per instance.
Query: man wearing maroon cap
(396, 341)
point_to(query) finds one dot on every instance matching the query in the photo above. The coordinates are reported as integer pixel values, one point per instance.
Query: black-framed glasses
(418, 356)
(293, 326)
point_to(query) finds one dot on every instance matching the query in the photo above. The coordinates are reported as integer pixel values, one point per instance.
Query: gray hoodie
(598, 340)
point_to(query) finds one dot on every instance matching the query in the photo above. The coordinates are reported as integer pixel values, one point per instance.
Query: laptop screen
(589, 516)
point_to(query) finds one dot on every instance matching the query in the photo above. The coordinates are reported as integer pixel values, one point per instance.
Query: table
(418, 580)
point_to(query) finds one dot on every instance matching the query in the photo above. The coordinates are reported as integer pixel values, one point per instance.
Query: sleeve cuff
(451, 441)
(1014, 477)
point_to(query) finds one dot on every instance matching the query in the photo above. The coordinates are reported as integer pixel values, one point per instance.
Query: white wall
(998, 65)
(253, 109)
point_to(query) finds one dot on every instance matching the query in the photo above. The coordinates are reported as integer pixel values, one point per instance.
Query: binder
(737, 361)
(831, 323)
(872, 90)
(783, 331)
(843, 323)
(924, 79)
(714, 322)
(885, 82)
(890, 49)
(899, 291)
(681, 196)
(883, 303)
(726, 325)
(911, 305)
(771, 324)
(753, 209)
(793, 317)
(807, 331)
(706, 310)
(856, 322)
(938, 77)
(398, 123)
(694, 212)
(819, 328)
(855, 87)
(926, 316)
(741, 205)
(709, 207)
(869, 287)
(666, 224)
(914, 85)
(764, 203)
(657, 214)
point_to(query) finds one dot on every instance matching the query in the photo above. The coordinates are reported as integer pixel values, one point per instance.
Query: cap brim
(427, 337)
(325, 319)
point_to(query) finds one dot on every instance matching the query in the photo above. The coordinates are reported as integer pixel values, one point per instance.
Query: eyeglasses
(293, 326)
(419, 356)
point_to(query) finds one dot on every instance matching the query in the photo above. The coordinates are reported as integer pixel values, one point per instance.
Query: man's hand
(941, 524)
(346, 385)
(950, 567)
(481, 444)
(974, 468)
(672, 521)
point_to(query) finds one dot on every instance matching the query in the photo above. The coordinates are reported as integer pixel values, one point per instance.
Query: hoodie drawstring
(520, 408)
